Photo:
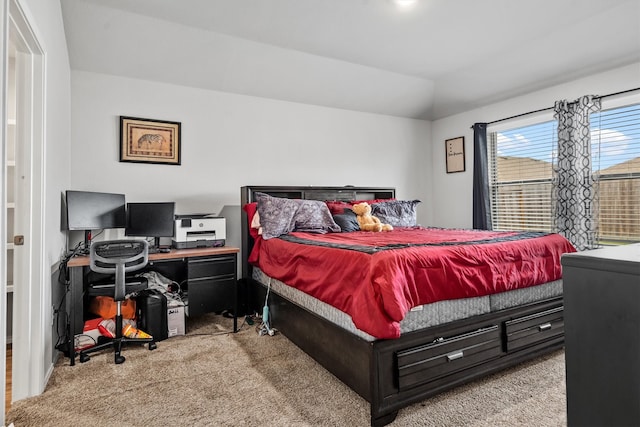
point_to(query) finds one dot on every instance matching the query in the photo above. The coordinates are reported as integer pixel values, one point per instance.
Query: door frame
(32, 315)
(4, 61)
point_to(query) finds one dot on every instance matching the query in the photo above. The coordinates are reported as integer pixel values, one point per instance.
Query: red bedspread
(377, 278)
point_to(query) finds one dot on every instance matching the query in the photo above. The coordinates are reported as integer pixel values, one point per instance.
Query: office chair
(118, 257)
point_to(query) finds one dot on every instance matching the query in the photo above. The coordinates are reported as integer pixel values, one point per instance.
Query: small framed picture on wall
(149, 141)
(454, 152)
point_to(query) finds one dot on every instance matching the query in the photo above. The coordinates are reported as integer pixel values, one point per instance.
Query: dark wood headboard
(247, 195)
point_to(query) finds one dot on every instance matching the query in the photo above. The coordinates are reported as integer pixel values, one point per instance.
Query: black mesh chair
(118, 257)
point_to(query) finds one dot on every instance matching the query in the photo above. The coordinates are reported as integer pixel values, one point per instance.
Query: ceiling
(438, 58)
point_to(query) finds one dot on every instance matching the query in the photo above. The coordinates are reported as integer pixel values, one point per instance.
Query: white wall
(233, 140)
(47, 17)
(57, 145)
(453, 193)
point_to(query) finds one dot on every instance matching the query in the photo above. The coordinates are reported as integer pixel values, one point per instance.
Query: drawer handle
(453, 356)
(544, 327)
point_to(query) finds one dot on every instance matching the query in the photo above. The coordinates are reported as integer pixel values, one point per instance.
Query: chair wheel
(84, 358)
(120, 359)
(153, 346)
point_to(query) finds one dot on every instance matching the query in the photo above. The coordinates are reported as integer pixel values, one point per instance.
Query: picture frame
(454, 152)
(150, 141)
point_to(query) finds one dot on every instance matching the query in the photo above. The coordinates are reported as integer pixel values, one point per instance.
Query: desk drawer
(212, 266)
(211, 284)
(208, 295)
(528, 330)
(426, 363)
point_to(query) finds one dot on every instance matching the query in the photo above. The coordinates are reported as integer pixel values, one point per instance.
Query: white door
(10, 187)
(19, 229)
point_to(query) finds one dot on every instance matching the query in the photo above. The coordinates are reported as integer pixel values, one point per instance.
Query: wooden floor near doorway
(7, 400)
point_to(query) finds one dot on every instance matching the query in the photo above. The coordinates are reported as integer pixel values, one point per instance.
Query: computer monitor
(88, 210)
(151, 219)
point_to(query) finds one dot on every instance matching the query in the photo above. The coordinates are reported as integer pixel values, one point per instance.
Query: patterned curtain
(481, 196)
(575, 187)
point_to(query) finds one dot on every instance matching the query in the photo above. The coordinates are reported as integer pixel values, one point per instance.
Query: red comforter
(376, 278)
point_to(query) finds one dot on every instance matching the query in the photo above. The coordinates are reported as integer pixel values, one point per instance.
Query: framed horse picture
(149, 141)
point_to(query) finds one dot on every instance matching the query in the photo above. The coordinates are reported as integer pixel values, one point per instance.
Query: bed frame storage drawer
(426, 363)
(529, 330)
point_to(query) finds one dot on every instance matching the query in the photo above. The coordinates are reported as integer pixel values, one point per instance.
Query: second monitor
(151, 219)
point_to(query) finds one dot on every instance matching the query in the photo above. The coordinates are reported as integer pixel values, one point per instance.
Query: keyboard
(119, 250)
(133, 284)
(158, 250)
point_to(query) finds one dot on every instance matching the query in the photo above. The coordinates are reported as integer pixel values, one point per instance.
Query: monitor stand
(87, 243)
(155, 247)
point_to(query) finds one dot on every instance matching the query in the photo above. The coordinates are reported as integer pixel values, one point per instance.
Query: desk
(209, 274)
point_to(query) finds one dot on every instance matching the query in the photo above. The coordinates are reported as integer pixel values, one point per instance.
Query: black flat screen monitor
(88, 210)
(153, 219)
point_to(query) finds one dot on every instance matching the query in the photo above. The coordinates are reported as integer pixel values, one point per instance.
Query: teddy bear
(367, 221)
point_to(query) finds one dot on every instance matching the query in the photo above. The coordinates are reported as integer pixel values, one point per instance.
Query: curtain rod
(551, 108)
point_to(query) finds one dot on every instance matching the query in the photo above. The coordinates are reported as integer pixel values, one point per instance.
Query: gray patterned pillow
(281, 216)
(399, 213)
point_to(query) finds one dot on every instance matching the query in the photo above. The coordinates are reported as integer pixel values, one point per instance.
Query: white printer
(199, 231)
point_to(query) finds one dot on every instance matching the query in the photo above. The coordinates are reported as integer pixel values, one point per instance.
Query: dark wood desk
(203, 269)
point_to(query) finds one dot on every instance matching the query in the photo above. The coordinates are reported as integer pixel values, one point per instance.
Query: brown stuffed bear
(367, 221)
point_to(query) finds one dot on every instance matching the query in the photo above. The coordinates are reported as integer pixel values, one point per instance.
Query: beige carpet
(213, 378)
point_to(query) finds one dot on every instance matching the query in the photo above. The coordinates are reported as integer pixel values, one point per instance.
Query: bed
(395, 348)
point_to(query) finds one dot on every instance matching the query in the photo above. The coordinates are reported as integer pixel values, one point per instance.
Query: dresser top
(625, 257)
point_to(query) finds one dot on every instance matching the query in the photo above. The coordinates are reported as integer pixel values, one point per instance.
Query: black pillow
(347, 221)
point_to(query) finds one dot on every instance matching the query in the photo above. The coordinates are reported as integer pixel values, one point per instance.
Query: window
(615, 138)
(521, 174)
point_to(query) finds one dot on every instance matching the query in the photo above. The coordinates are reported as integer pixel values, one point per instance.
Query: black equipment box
(151, 313)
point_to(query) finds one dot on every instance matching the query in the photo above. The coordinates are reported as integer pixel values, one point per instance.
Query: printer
(199, 231)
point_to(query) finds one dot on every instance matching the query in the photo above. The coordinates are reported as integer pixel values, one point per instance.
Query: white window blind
(521, 172)
(615, 137)
(520, 165)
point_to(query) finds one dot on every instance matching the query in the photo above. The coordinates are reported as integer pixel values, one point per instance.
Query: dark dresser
(602, 336)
